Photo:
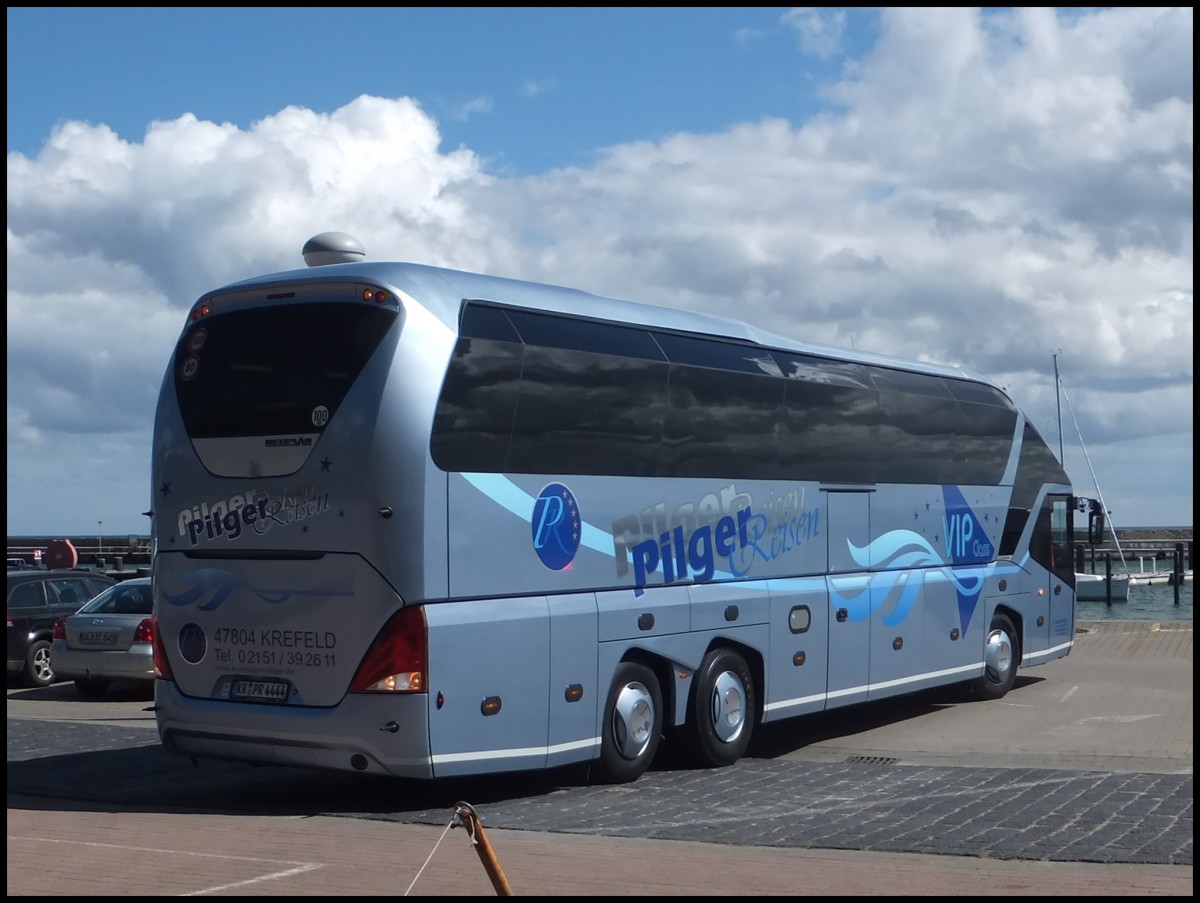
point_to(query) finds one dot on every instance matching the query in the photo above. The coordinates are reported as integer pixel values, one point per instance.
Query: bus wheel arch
(722, 708)
(1001, 657)
(632, 726)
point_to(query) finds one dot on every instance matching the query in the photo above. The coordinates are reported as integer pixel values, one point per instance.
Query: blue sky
(979, 187)
(528, 89)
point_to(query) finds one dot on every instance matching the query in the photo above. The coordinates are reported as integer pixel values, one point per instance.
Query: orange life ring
(61, 554)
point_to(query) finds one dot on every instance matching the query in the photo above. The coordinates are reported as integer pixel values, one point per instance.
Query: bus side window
(1050, 544)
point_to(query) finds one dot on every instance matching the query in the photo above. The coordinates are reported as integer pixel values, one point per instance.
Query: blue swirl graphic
(217, 585)
(905, 560)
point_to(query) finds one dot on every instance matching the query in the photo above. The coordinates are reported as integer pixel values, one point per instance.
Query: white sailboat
(1092, 587)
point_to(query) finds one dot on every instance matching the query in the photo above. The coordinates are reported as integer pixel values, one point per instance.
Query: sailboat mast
(1058, 404)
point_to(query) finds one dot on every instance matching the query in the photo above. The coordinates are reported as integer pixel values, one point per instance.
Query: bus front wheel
(721, 710)
(1001, 654)
(632, 728)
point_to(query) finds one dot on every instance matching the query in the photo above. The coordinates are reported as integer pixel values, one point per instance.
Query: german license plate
(98, 637)
(266, 690)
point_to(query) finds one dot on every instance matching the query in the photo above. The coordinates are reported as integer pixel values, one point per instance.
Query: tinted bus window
(830, 433)
(721, 423)
(233, 381)
(916, 438)
(909, 383)
(473, 422)
(587, 413)
(732, 356)
(810, 369)
(552, 331)
(983, 437)
(482, 321)
(1036, 468)
(979, 393)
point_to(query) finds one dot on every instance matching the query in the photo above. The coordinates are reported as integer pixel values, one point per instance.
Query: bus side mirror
(1095, 527)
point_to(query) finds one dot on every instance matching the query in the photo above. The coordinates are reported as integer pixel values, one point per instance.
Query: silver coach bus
(426, 523)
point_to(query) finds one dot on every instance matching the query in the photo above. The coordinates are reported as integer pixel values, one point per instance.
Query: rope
(467, 823)
(1095, 482)
(430, 856)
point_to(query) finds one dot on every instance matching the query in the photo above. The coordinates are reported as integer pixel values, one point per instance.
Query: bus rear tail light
(397, 661)
(162, 667)
(378, 295)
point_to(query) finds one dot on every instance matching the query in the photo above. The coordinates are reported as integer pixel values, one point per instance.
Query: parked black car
(36, 598)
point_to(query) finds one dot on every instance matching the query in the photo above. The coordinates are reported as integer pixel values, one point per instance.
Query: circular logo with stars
(193, 644)
(556, 526)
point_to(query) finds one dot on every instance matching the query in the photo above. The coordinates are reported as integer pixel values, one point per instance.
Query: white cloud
(819, 29)
(997, 187)
(534, 87)
(464, 111)
(744, 37)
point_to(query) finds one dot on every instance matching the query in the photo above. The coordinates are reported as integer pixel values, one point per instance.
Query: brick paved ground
(85, 853)
(891, 807)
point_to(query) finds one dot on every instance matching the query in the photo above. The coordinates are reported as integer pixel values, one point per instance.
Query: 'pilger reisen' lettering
(298, 639)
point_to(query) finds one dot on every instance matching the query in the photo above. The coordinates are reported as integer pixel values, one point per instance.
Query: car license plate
(268, 690)
(98, 637)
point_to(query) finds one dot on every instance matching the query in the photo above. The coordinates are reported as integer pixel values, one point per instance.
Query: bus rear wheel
(632, 728)
(721, 710)
(1001, 654)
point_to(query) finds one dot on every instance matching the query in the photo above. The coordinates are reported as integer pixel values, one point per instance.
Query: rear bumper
(135, 663)
(366, 733)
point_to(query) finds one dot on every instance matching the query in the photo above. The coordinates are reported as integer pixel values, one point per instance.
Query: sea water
(1147, 602)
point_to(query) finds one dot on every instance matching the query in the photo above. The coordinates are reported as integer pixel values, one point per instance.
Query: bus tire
(721, 710)
(632, 727)
(1001, 654)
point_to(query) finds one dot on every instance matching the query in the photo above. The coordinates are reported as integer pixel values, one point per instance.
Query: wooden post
(1177, 567)
(1108, 579)
(491, 865)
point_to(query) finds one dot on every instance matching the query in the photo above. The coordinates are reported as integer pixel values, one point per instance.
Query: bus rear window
(264, 371)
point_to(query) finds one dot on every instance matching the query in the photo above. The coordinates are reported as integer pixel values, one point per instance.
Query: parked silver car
(110, 638)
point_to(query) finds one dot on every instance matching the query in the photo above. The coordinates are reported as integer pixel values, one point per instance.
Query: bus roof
(442, 290)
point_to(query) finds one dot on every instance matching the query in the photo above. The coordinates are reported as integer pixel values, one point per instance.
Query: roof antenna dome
(333, 247)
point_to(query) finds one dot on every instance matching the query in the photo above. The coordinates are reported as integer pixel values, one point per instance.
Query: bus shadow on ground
(148, 777)
(120, 768)
(781, 738)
